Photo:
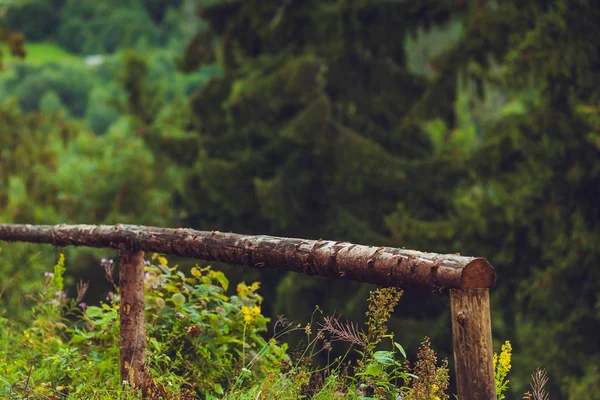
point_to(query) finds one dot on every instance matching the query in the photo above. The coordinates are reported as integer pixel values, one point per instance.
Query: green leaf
(178, 299)
(219, 389)
(374, 369)
(384, 357)
(93, 312)
(165, 269)
(222, 279)
(401, 349)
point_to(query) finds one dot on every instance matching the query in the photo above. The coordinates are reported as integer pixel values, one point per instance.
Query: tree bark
(472, 343)
(133, 328)
(382, 266)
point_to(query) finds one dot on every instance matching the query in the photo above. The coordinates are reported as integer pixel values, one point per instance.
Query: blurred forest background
(446, 126)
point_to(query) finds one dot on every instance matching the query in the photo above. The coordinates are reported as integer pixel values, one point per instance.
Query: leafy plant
(501, 368)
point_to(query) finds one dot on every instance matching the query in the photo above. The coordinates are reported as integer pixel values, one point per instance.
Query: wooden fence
(467, 280)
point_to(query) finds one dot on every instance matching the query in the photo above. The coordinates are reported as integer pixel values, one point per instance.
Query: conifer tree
(313, 130)
(529, 199)
(317, 129)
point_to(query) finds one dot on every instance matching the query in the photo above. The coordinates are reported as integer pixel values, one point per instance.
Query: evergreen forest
(447, 126)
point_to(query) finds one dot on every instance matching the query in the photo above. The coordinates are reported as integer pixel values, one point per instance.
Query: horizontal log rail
(467, 279)
(382, 266)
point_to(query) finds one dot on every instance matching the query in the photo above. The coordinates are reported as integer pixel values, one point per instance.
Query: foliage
(539, 378)
(35, 19)
(97, 28)
(319, 128)
(377, 374)
(201, 342)
(501, 368)
(347, 120)
(14, 40)
(306, 133)
(197, 336)
(200, 334)
(526, 196)
(70, 82)
(90, 27)
(433, 381)
(100, 115)
(55, 171)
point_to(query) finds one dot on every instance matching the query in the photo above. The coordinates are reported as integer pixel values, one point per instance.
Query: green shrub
(100, 115)
(204, 343)
(198, 337)
(91, 27)
(50, 103)
(36, 19)
(72, 84)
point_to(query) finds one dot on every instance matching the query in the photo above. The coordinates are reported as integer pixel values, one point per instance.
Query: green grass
(41, 53)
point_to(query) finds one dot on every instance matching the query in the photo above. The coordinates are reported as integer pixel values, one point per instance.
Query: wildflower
(146, 262)
(83, 306)
(501, 368)
(108, 273)
(347, 332)
(48, 274)
(250, 314)
(307, 329)
(433, 379)
(244, 290)
(538, 380)
(179, 315)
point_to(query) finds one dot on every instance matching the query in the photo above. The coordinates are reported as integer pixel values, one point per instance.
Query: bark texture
(472, 343)
(382, 266)
(133, 325)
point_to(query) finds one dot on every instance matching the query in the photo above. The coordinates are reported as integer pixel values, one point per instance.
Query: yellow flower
(250, 314)
(244, 290)
(502, 367)
(196, 272)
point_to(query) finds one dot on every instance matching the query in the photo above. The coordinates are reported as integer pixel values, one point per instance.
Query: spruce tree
(313, 130)
(530, 199)
(317, 128)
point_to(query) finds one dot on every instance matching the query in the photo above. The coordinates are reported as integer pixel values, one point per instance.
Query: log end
(478, 274)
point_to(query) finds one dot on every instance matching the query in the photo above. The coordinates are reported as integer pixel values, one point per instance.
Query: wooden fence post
(133, 328)
(472, 342)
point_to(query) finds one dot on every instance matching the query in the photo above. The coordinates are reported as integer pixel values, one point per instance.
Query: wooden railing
(467, 280)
